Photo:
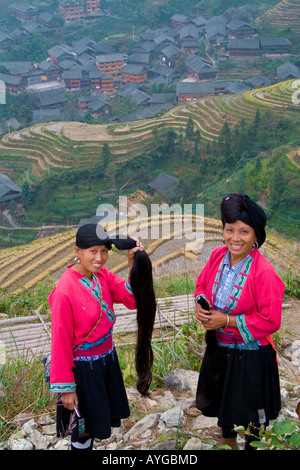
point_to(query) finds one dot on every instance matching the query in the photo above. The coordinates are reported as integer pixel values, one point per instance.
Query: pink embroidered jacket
(256, 299)
(75, 310)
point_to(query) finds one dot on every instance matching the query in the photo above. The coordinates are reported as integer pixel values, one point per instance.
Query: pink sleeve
(62, 321)
(204, 281)
(120, 290)
(266, 317)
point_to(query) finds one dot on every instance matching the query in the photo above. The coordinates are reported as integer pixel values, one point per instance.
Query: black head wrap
(92, 233)
(240, 207)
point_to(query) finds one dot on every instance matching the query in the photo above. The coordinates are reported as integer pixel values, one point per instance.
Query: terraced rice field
(286, 14)
(46, 259)
(70, 144)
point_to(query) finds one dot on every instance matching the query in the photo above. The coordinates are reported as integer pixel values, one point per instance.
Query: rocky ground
(167, 420)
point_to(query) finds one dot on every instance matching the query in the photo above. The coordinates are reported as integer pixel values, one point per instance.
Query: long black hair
(141, 282)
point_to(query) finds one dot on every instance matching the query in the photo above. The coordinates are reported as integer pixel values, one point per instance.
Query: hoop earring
(223, 241)
(76, 259)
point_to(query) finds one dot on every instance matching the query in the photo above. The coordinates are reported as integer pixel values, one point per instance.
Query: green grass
(23, 387)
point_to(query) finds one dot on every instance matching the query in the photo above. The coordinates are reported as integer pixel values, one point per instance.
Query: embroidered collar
(244, 269)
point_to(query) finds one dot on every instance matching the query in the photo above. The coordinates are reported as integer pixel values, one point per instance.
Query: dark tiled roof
(243, 44)
(163, 183)
(7, 185)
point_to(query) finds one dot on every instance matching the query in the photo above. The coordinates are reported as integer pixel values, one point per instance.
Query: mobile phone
(204, 304)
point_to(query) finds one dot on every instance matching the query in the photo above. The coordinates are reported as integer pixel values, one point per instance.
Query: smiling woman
(90, 260)
(85, 371)
(238, 380)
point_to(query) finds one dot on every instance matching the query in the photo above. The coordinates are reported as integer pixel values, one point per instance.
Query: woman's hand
(130, 253)
(201, 314)
(69, 400)
(213, 319)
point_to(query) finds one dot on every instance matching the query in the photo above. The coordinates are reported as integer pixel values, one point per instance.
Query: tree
(110, 173)
(106, 154)
(189, 131)
(125, 106)
(277, 187)
(257, 118)
(170, 139)
(25, 115)
(225, 141)
(197, 136)
(27, 193)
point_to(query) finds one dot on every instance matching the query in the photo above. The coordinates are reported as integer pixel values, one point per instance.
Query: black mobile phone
(204, 304)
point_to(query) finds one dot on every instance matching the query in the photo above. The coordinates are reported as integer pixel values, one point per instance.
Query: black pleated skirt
(239, 387)
(102, 399)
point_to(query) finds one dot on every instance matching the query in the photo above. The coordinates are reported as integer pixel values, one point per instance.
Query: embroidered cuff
(63, 387)
(243, 329)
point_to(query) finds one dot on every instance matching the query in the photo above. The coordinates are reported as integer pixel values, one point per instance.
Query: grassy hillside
(70, 174)
(284, 16)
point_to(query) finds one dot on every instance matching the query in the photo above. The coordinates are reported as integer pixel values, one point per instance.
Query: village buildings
(96, 72)
(75, 10)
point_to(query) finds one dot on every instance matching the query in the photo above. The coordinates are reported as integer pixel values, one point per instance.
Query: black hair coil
(141, 281)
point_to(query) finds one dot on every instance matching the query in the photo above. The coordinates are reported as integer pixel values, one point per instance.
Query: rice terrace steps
(36, 149)
(23, 267)
(284, 15)
(46, 259)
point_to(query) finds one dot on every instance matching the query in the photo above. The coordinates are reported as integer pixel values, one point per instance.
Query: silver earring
(223, 240)
(76, 259)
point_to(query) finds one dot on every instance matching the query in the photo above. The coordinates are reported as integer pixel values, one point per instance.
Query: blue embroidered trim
(95, 290)
(108, 312)
(253, 346)
(243, 329)
(94, 358)
(85, 346)
(63, 387)
(128, 287)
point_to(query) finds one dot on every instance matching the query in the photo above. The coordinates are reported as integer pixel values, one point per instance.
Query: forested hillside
(247, 142)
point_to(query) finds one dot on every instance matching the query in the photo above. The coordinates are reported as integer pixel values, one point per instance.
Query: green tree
(25, 115)
(225, 141)
(170, 140)
(27, 193)
(106, 154)
(124, 106)
(277, 187)
(257, 118)
(189, 131)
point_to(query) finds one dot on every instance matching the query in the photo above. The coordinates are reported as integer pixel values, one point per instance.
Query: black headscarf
(240, 207)
(91, 233)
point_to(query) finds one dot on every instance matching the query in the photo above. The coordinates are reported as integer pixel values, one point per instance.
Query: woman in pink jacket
(239, 381)
(85, 371)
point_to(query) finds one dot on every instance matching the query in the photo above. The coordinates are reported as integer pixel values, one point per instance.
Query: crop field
(33, 151)
(286, 14)
(46, 259)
